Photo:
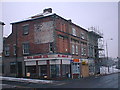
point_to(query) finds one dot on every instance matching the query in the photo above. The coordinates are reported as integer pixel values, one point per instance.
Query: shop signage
(84, 61)
(48, 56)
(76, 60)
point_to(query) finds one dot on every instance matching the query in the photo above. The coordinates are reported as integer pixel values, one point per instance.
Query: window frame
(14, 49)
(7, 50)
(73, 49)
(25, 29)
(23, 48)
(74, 32)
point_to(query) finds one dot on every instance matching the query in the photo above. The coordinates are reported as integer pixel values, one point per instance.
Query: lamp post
(107, 50)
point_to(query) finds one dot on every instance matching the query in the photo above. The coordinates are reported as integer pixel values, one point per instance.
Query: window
(14, 49)
(82, 35)
(61, 37)
(12, 67)
(51, 47)
(76, 68)
(82, 51)
(76, 49)
(25, 29)
(74, 31)
(73, 49)
(7, 50)
(25, 48)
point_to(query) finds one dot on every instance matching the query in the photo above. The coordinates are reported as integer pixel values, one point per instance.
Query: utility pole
(107, 51)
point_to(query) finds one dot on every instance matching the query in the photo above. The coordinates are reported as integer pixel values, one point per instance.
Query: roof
(42, 15)
(30, 19)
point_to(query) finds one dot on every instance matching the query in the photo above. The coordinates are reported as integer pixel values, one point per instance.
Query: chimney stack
(47, 10)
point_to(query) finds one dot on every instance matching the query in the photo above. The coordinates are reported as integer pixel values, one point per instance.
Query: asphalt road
(106, 81)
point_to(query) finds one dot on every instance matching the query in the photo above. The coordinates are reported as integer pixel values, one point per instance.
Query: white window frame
(82, 51)
(82, 35)
(76, 49)
(73, 49)
(24, 52)
(74, 31)
(25, 31)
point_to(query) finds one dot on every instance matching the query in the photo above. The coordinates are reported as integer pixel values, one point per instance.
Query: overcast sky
(85, 14)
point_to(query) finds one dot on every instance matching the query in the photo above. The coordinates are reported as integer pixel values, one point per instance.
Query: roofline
(95, 34)
(72, 23)
(32, 19)
(48, 16)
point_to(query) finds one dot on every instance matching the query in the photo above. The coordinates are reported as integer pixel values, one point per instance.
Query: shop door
(43, 70)
(20, 69)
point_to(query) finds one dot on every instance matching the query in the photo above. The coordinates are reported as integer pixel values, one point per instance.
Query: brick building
(46, 46)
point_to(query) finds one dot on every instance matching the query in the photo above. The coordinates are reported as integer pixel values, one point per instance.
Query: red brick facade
(63, 39)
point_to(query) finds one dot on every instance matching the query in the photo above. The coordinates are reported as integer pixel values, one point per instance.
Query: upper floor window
(25, 48)
(76, 49)
(73, 49)
(14, 49)
(83, 51)
(25, 29)
(82, 35)
(7, 50)
(74, 31)
(51, 47)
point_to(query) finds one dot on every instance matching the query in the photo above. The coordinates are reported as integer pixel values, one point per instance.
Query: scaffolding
(101, 50)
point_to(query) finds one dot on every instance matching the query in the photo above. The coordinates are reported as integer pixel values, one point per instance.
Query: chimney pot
(47, 10)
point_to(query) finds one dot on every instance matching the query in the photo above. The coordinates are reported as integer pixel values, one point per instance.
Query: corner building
(46, 46)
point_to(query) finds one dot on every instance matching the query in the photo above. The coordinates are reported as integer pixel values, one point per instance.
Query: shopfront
(76, 68)
(49, 66)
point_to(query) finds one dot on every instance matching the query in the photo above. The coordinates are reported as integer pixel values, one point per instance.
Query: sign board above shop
(47, 56)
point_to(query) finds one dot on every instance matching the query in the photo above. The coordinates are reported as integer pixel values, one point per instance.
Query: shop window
(12, 67)
(74, 31)
(43, 69)
(65, 69)
(76, 68)
(7, 50)
(25, 48)
(55, 70)
(26, 29)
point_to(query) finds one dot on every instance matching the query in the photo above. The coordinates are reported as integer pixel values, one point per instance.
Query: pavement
(105, 81)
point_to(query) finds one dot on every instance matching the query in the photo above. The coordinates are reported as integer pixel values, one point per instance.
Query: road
(106, 81)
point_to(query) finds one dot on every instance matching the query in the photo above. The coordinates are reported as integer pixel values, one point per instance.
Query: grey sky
(86, 14)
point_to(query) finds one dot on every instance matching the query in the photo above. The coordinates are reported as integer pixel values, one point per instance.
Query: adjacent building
(1, 44)
(47, 46)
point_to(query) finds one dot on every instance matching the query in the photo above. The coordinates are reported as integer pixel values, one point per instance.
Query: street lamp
(107, 50)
